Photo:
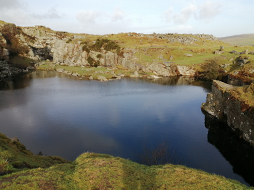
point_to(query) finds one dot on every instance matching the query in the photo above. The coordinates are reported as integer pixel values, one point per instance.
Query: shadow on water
(235, 150)
(23, 80)
(181, 80)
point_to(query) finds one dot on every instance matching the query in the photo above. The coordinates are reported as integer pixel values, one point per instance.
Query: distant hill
(244, 39)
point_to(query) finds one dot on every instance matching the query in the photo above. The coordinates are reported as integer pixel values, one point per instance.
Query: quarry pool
(60, 115)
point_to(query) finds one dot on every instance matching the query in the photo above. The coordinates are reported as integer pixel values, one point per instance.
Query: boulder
(185, 70)
(136, 75)
(245, 52)
(160, 69)
(218, 52)
(188, 55)
(221, 48)
(102, 78)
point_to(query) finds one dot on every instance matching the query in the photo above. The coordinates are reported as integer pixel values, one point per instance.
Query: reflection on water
(64, 116)
(238, 152)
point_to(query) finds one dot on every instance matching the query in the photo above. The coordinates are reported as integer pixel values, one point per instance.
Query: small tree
(211, 68)
(155, 156)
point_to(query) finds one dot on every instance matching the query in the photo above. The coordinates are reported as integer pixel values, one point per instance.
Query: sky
(217, 17)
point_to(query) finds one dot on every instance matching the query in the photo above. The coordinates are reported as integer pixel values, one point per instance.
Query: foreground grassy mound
(14, 157)
(98, 171)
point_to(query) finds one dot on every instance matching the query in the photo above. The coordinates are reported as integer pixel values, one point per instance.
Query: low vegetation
(15, 157)
(245, 94)
(97, 171)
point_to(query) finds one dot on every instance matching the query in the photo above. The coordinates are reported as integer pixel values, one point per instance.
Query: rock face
(162, 70)
(40, 44)
(4, 53)
(72, 54)
(221, 105)
(185, 70)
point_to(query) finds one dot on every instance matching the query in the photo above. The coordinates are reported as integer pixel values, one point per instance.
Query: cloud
(185, 14)
(102, 22)
(88, 17)
(51, 14)
(205, 11)
(168, 14)
(14, 11)
(102, 17)
(117, 15)
(11, 4)
(209, 10)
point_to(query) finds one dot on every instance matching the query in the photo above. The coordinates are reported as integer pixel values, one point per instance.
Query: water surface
(63, 116)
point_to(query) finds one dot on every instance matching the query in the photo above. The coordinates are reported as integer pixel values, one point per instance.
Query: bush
(211, 69)
(16, 48)
(99, 56)
(106, 44)
(156, 156)
(85, 48)
(68, 41)
(90, 60)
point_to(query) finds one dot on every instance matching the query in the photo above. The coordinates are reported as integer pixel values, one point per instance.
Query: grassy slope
(148, 50)
(244, 39)
(98, 171)
(14, 157)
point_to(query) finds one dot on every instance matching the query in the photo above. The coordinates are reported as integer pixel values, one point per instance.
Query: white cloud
(51, 14)
(117, 15)
(209, 10)
(10, 4)
(88, 17)
(206, 11)
(168, 14)
(185, 14)
(99, 16)
(101, 22)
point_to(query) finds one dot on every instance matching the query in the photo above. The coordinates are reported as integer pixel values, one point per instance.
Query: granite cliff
(232, 105)
(39, 43)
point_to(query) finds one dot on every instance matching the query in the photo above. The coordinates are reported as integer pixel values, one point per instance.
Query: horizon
(113, 17)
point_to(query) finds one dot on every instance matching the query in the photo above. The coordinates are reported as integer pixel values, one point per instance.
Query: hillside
(96, 171)
(244, 40)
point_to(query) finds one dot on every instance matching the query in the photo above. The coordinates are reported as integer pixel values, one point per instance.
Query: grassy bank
(98, 171)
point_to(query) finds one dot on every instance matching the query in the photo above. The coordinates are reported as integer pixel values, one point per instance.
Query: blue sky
(218, 17)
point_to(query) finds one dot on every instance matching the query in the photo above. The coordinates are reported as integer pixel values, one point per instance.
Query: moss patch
(99, 171)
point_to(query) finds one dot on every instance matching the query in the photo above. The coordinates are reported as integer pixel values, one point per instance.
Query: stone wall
(221, 104)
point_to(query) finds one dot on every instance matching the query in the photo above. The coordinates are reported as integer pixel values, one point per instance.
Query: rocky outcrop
(72, 54)
(185, 70)
(235, 113)
(186, 39)
(41, 43)
(4, 53)
(161, 69)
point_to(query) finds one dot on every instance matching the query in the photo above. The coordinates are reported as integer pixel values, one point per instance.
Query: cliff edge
(232, 105)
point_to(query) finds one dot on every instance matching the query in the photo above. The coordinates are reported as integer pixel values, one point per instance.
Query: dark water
(62, 116)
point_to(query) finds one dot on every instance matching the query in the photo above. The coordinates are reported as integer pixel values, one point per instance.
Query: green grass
(100, 171)
(14, 157)
(86, 72)
(97, 171)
